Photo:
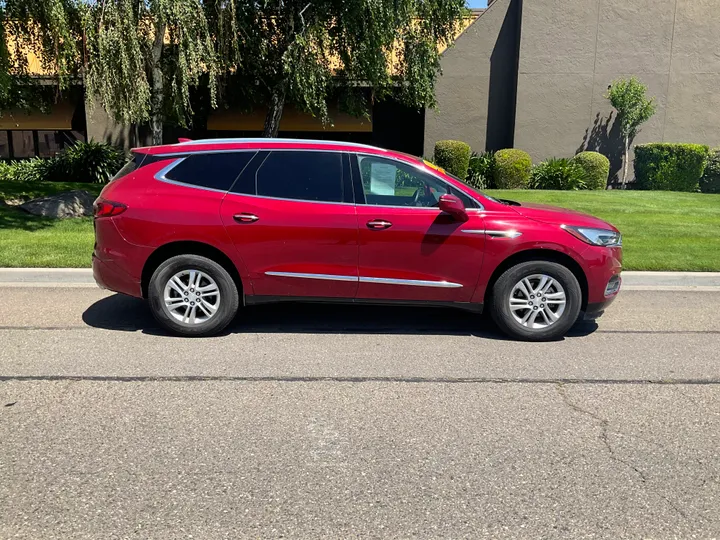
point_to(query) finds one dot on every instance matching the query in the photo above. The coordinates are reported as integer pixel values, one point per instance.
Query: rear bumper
(108, 276)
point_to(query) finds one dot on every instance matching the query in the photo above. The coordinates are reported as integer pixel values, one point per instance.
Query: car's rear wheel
(536, 301)
(192, 295)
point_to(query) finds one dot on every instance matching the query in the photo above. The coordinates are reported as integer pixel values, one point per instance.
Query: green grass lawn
(31, 241)
(661, 230)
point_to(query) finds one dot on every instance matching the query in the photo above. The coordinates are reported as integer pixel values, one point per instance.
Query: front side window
(301, 175)
(387, 182)
(214, 171)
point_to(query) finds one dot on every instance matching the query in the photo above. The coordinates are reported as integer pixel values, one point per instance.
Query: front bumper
(596, 310)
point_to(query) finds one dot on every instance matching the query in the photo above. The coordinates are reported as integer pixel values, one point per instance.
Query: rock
(69, 204)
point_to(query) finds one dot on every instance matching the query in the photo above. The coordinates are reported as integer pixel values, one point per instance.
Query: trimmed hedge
(710, 181)
(596, 167)
(453, 156)
(669, 166)
(558, 173)
(512, 169)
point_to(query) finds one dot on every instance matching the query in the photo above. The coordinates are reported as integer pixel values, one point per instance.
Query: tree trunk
(625, 164)
(275, 111)
(156, 120)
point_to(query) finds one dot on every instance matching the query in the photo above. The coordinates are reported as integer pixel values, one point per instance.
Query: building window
(24, 144)
(4, 145)
(50, 143)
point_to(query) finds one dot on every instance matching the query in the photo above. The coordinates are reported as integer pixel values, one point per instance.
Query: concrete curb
(632, 281)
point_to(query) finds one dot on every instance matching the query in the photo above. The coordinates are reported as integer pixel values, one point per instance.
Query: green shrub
(453, 156)
(670, 167)
(596, 167)
(558, 173)
(512, 169)
(91, 162)
(5, 170)
(710, 181)
(31, 170)
(481, 170)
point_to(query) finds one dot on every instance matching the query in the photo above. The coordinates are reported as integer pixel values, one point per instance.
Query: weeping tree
(143, 58)
(306, 52)
(51, 31)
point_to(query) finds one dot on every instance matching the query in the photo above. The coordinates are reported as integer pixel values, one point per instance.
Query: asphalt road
(336, 422)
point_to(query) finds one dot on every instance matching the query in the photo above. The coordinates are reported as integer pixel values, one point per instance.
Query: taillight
(103, 208)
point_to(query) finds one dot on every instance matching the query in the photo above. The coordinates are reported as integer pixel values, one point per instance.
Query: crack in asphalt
(298, 379)
(604, 438)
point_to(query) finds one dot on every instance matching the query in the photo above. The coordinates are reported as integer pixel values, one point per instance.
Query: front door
(409, 250)
(292, 219)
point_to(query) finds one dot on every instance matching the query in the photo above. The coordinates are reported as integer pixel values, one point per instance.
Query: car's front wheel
(192, 295)
(536, 301)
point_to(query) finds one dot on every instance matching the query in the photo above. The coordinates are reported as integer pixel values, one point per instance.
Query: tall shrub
(453, 156)
(670, 167)
(512, 169)
(710, 181)
(596, 167)
(558, 173)
(481, 170)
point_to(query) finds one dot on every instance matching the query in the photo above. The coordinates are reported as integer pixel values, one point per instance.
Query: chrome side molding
(363, 279)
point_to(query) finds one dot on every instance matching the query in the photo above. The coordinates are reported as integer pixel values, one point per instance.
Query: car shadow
(124, 313)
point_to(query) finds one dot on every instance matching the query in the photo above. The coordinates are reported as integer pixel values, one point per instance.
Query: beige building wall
(571, 51)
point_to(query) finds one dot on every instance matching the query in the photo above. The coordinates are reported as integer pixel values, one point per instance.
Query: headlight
(597, 237)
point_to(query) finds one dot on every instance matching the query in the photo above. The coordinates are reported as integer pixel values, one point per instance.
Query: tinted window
(215, 171)
(308, 176)
(388, 182)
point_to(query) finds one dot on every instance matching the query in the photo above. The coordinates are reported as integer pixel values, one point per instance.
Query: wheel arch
(548, 255)
(172, 249)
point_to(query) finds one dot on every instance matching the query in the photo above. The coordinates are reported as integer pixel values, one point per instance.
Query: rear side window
(131, 166)
(212, 171)
(306, 176)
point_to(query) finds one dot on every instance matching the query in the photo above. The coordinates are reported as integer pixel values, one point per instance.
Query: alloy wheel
(537, 301)
(192, 297)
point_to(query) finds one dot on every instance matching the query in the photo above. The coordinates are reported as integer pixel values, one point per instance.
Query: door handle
(378, 224)
(245, 218)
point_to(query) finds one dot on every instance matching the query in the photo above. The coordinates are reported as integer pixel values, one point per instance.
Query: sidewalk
(632, 281)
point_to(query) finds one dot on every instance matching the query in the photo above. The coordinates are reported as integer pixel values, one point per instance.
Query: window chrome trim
(288, 200)
(363, 279)
(420, 167)
(327, 277)
(411, 282)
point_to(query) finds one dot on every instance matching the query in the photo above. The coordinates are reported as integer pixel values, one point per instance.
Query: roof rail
(236, 140)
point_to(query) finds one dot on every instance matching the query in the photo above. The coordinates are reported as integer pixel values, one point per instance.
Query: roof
(223, 145)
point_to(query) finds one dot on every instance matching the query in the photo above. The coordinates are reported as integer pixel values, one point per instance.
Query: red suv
(200, 228)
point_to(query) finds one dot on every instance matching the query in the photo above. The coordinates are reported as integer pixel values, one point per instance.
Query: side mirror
(450, 204)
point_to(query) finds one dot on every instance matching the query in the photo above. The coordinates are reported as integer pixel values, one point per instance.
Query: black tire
(228, 304)
(500, 301)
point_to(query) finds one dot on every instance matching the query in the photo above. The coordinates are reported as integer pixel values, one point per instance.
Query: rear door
(292, 218)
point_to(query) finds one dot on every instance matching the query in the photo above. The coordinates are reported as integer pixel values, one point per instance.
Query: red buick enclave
(200, 228)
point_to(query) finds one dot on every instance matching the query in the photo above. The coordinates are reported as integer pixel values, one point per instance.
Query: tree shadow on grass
(12, 217)
(123, 313)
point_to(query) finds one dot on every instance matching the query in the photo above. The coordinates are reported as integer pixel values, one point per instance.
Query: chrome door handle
(379, 224)
(245, 218)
